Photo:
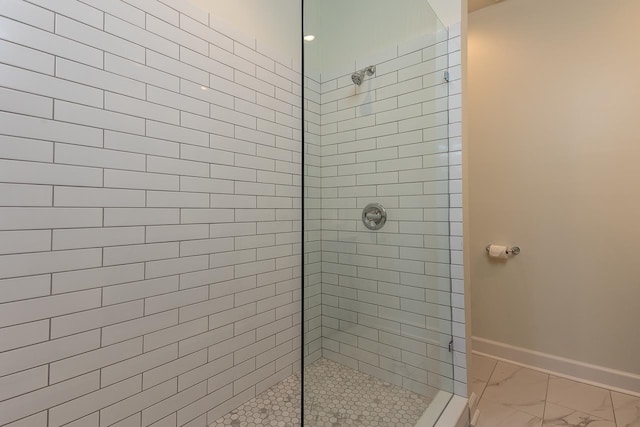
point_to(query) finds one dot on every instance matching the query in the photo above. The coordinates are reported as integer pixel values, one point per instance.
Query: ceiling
(479, 4)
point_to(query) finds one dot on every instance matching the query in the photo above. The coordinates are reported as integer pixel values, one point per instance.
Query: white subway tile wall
(150, 194)
(380, 302)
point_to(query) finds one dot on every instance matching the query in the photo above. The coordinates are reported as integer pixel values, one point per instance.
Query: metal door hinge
(451, 346)
(446, 76)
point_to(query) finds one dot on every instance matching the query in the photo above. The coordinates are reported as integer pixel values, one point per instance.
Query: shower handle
(374, 216)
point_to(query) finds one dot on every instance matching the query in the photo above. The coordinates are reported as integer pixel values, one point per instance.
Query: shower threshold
(335, 396)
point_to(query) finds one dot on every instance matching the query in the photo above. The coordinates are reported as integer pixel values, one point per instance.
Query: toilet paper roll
(497, 251)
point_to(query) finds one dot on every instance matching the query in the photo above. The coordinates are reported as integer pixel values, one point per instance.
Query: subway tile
(133, 107)
(89, 403)
(47, 397)
(47, 352)
(98, 157)
(26, 149)
(48, 262)
(29, 14)
(19, 102)
(176, 266)
(32, 37)
(96, 237)
(137, 253)
(176, 68)
(23, 335)
(97, 197)
(139, 290)
(42, 84)
(95, 77)
(140, 73)
(205, 32)
(97, 117)
(23, 382)
(125, 408)
(138, 327)
(94, 278)
(78, 31)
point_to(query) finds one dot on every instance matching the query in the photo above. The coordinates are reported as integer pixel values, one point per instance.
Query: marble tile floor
(335, 396)
(513, 396)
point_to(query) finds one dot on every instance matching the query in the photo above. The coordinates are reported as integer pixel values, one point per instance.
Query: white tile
(175, 133)
(205, 32)
(139, 36)
(98, 157)
(33, 37)
(29, 14)
(102, 40)
(74, 113)
(120, 9)
(140, 180)
(123, 409)
(95, 77)
(627, 408)
(175, 34)
(138, 327)
(42, 84)
(48, 262)
(158, 9)
(177, 101)
(205, 93)
(139, 72)
(140, 144)
(137, 253)
(138, 290)
(26, 149)
(47, 397)
(23, 382)
(580, 397)
(176, 333)
(96, 237)
(98, 197)
(23, 335)
(96, 318)
(206, 124)
(94, 278)
(177, 167)
(75, 10)
(521, 389)
(89, 403)
(176, 266)
(176, 68)
(137, 108)
(31, 127)
(189, 297)
(25, 103)
(46, 352)
(138, 364)
(555, 415)
(25, 195)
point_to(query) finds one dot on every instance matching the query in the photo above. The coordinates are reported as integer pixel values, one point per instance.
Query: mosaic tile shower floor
(335, 396)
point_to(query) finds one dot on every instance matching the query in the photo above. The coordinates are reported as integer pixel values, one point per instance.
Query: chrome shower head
(358, 76)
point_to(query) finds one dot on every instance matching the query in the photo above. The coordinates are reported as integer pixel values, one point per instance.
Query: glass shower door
(377, 294)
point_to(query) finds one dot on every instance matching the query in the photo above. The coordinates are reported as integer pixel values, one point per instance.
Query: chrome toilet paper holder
(515, 250)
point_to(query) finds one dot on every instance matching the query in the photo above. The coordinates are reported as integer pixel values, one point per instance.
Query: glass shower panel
(377, 295)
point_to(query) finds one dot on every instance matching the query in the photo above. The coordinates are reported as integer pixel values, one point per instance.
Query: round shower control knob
(374, 216)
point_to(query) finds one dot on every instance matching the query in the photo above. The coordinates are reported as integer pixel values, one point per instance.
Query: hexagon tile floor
(335, 396)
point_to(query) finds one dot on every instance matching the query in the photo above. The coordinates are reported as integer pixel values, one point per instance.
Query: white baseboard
(624, 382)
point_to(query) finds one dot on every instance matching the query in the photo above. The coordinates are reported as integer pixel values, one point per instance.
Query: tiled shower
(152, 221)
(385, 297)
